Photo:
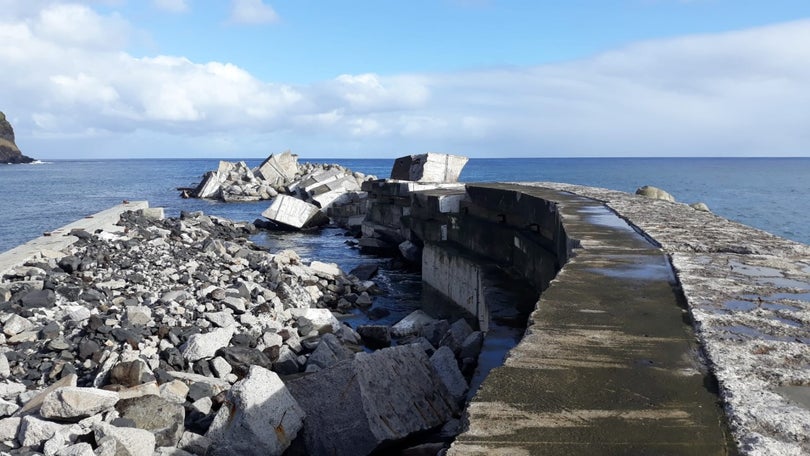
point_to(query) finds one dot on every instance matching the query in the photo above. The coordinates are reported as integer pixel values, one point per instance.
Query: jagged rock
(33, 432)
(16, 325)
(328, 352)
(456, 335)
(654, 193)
(259, 413)
(291, 212)
(78, 449)
(287, 362)
(412, 324)
(365, 271)
(471, 346)
(33, 404)
(129, 441)
(9, 152)
(410, 252)
(330, 270)
(39, 299)
(7, 408)
(130, 373)
(430, 167)
(138, 315)
(321, 321)
(73, 403)
(385, 396)
(9, 428)
(446, 366)
(241, 358)
(194, 443)
(201, 346)
(162, 418)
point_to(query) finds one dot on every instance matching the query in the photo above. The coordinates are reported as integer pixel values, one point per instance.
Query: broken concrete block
(74, 403)
(386, 395)
(259, 415)
(430, 167)
(278, 169)
(293, 213)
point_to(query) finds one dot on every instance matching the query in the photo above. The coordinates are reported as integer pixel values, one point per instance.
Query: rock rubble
(180, 336)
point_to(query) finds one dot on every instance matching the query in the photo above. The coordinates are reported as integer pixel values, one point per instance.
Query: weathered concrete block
(278, 169)
(294, 213)
(384, 396)
(259, 416)
(430, 167)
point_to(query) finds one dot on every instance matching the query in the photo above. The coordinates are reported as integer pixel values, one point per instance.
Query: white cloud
(172, 6)
(252, 12)
(736, 93)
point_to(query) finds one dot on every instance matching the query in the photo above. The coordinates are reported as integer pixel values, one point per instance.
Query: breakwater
(610, 354)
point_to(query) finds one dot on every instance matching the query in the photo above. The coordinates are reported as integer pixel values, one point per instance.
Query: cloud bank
(69, 87)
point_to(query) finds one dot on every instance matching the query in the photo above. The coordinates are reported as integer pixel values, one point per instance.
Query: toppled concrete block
(211, 185)
(430, 167)
(259, 416)
(385, 396)
(294, 213)
(320, 177)
(278, 169)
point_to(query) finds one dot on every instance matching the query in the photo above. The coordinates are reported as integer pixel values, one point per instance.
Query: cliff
(9, 152)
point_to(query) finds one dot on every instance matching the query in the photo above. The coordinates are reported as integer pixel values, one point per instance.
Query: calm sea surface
(768, 193)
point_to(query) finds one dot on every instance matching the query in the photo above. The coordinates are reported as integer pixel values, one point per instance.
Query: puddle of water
(751, 333)
(782, 282)
(754, 271)
(790, 296)
(799, 395)
(739, 306)
(638, 267)
(601, 215)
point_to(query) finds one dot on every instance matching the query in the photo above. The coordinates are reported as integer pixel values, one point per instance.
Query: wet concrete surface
(608, 365)
(748, 294)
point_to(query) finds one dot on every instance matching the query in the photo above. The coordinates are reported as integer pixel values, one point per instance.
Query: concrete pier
(666, 331)
(53, 242)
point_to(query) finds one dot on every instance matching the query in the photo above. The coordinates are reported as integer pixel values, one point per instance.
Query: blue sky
(246, 78)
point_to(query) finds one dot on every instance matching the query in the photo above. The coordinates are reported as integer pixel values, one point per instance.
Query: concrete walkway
(58, 239)
(609, 364)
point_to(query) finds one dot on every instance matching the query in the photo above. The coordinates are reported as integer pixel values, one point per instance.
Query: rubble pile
(180, 336)
(323, 189)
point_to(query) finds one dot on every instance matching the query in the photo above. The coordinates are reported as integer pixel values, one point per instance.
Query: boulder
(456, 335)
(294, 213)
(162, 418)
(446, 366)
(33, 432)
(375, 336)
(75, 403)
(412, 324)
(241, 358)
(328, 352)
(384, 396)
(128, 441)
(654, 193)
(320, 320)
(430, 167)
(259, 413)
(201, 346)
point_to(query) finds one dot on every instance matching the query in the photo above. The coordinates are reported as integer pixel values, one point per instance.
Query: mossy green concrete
(609, 363)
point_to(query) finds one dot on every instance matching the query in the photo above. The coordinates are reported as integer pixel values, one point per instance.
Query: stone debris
(153, 340)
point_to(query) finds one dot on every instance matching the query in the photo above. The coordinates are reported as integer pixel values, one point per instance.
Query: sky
(382, 79)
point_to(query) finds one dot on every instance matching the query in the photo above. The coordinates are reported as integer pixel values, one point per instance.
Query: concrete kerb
(53, 242)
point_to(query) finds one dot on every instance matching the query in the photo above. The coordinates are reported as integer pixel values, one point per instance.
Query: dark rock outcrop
(9, 152)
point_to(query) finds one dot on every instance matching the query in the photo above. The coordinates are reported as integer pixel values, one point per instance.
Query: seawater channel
(401, 291)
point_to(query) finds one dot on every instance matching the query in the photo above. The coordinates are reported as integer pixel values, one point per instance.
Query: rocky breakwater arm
(181, 334)
(9, 152)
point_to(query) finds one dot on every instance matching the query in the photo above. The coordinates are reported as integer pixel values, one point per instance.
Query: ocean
(767, 193)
